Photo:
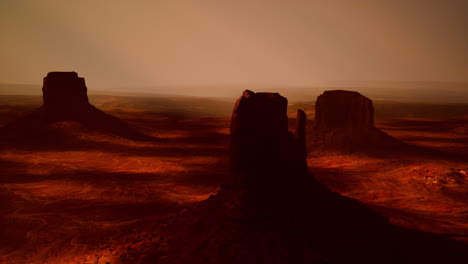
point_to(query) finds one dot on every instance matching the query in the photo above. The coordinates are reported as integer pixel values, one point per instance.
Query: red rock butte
(344, 121)
(344, 109)
(260, 140)
(65, 99)
(64, 90)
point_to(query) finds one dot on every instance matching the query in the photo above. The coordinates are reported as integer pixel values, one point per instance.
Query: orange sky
(199, 42)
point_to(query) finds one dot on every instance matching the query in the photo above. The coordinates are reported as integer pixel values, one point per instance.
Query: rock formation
(344, 109)
(65, 99)
(260, 140)
(344, 121)
(65, 95)
(273, 211)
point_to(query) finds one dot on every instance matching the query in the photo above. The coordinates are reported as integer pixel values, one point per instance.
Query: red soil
(62, 200)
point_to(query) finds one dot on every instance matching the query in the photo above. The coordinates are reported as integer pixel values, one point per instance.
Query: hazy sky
(199, 42)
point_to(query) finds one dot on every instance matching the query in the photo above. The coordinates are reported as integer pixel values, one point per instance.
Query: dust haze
(233, 131)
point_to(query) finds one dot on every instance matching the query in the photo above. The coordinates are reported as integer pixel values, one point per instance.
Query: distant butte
(65, 99)
(65, 95)
(344, 121)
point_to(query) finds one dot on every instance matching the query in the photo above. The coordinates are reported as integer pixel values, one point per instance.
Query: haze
(154, 46)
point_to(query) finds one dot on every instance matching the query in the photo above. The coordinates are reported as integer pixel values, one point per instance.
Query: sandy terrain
(66, 194)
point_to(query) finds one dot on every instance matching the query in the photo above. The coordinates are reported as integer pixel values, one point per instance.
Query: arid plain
(64, 197)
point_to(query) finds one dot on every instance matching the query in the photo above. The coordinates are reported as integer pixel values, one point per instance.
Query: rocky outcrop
(260, 141)
(344, 110)
(344, 121)
(65, 95)
(65, 99)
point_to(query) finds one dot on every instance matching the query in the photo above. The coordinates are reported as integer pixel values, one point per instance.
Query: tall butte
(65, 96)
(344, 121)
(65, 99)
(261, 143)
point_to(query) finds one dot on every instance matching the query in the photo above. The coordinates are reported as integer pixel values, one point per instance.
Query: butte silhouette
(260, 141)
(344, 121)
(65, 99)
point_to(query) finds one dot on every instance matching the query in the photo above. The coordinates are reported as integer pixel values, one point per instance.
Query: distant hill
(415, 91)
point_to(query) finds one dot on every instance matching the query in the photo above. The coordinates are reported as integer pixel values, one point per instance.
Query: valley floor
(61, 198)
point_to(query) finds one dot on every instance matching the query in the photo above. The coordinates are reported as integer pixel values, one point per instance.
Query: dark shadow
(207, 142)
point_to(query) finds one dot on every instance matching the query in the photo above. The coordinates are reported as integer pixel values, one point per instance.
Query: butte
(344, 121)
(65, 99)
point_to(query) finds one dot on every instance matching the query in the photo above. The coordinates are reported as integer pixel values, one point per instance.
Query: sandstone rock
(343, 110)
(301, 132)
(64, 90)
(260, 141)
(259, 129)
(65, 99)
(65, 96)
(344, 121)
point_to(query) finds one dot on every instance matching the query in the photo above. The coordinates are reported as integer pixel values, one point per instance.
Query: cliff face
(260, 141)
(344, 110)
(344, 121)
(64, 92)
(65, 96)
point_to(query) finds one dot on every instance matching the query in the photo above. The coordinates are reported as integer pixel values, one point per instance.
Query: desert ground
(63, 197)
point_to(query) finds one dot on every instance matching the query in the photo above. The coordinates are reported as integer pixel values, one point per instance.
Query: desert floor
(67, 191)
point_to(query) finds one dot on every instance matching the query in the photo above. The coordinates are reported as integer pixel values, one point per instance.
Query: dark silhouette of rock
(344, 121)
(301, 134)
(273, 191)
(65, 99)
(260, 141)
(344, 109)
(64, 94)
